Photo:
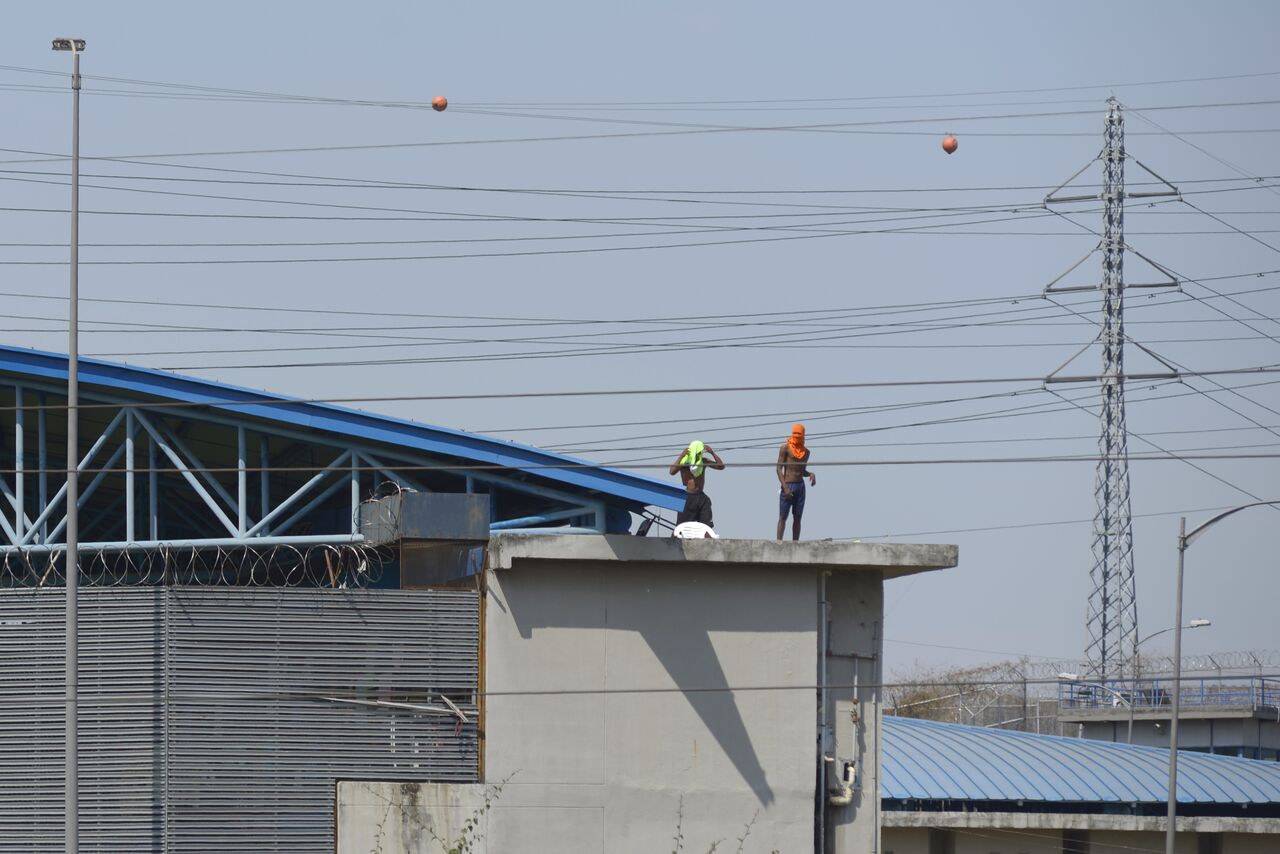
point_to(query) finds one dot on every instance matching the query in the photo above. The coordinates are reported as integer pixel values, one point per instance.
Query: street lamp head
(1069, 677)
(1198, 624)
(74, 45)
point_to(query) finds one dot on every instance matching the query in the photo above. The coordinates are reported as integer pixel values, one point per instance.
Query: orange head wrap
(796, 442)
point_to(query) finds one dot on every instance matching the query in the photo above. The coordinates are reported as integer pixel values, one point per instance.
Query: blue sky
(894, 76)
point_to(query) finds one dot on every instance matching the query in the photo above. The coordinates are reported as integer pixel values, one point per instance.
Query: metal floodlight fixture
(76, 45)
(1198, 624)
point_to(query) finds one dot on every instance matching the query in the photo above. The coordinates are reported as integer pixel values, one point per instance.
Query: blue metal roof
(473, 447)
(927, 760)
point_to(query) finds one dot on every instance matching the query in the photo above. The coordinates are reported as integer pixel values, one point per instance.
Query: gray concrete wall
(1194, 731)
(651, 694)
(1041, 833)
(409, 818)
(855, 608)
(910, 840)
(619, 769)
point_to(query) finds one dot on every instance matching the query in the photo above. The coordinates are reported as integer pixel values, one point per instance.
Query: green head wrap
(693, 458)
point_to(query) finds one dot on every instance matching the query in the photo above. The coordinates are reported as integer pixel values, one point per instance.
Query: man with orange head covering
(792, 469)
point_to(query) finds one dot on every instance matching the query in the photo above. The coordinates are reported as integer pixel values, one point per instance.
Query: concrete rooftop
(891, 560)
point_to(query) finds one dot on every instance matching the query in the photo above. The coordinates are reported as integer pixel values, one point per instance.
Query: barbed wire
(336, 566)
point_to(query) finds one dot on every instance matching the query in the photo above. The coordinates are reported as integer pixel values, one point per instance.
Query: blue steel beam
(350, 423)
(540, 519)
(85, 462)
(292, 499)
(87, 493)
(194, 462)
(186, 473)
(297, 517)
(402, 458)
(162, 437)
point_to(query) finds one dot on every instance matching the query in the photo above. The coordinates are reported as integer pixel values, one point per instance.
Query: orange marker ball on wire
(439, 102)
(950, 144)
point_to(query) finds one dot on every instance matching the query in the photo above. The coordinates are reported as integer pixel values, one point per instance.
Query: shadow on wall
(674, 611)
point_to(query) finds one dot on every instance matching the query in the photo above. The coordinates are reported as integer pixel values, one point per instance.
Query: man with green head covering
(692, 465)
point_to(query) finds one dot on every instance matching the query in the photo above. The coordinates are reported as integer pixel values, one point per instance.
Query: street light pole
(72, 792)
(1184, 540)
(1074, 677)
(1171, 818)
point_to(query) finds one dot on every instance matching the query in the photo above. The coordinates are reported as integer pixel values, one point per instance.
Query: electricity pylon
(1112, 620)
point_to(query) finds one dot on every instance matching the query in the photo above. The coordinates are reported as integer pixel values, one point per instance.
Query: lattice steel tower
(1113, 605)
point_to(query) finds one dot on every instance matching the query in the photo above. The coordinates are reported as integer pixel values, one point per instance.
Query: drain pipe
(824, 741)
(877, 674)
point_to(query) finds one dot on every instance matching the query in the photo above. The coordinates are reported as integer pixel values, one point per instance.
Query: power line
(827, 127)
(755, 101)
(1044, 408)
(521, 320)
(1167, 456)
(1022, 525)
(281, 401)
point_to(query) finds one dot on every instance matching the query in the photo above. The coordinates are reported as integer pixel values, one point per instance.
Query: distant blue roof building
(930, 762)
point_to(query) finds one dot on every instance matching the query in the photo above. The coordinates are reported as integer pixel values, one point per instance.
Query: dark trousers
(697, 508)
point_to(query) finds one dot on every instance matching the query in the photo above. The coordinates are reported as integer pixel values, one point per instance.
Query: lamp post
(1184, 540)
(1194, 624)
(1075, 677)
(72, 793)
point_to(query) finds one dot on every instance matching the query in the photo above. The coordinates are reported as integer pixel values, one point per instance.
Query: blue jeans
(794, 503)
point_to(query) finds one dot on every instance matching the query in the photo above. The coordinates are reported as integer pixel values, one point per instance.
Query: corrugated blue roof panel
(382, 429)
(927, 760)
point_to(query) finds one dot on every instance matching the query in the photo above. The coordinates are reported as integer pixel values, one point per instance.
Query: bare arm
(781, 468)
(716, 463)
(813, 478)
(675, 467)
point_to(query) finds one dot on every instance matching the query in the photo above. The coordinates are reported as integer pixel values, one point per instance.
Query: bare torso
(691, 483)
(793, 469)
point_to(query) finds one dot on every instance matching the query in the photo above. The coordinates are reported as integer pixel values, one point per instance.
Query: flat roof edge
(1020, 820)
(891, 559)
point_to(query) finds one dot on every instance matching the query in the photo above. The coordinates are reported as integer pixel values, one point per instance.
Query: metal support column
(130, 507)
(19, 455)
(242, 483)
(42, 462)
(153, 490)
(264, 479)
(355, 493)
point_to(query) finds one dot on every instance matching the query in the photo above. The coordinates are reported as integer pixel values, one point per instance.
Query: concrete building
(282, 601)
(954, 789)
(1223, 715)
(636, 689)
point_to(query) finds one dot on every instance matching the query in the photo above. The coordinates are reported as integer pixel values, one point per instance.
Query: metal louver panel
(120, 720)
(218, 719)
(254, 751)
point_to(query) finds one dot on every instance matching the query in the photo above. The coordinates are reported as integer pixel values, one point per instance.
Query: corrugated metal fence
(216, 719)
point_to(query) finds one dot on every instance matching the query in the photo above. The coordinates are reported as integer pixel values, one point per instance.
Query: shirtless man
(692, 466)
(792, 469)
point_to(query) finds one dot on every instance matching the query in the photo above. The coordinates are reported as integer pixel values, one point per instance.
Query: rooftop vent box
(439, 537)
(456, 516)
